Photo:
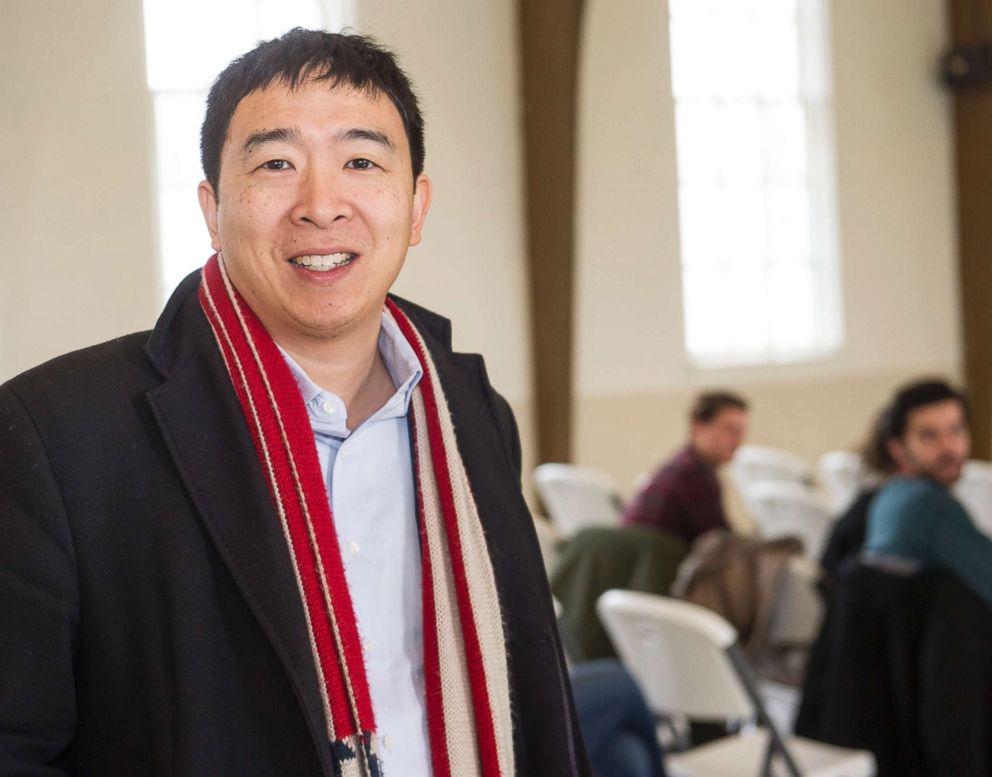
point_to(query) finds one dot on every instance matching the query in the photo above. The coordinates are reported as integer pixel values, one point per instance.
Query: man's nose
(953, 443)
(321, 199)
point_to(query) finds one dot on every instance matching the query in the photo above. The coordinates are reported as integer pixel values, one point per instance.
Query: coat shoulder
(85, 369)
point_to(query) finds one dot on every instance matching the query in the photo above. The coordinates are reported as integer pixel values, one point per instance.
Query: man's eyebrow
(278, 135)
(361, 133)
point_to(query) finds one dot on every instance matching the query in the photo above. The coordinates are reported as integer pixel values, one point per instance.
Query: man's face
(317, 208)
(935, 443)
(718, 439)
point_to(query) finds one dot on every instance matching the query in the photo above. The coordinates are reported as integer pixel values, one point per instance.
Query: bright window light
(187, 44)
(756, 192)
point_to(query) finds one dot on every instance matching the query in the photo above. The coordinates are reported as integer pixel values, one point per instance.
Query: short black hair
(709, 404)
(342, 59)
(891, 424)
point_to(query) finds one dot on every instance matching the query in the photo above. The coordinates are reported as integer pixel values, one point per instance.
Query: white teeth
(323, 263)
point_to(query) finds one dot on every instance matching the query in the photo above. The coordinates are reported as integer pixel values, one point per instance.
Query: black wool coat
(150, 623)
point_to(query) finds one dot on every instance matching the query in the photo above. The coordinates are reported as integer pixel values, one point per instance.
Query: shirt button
(388, 742)
(327, 407)
(353, 548)
(366, 645)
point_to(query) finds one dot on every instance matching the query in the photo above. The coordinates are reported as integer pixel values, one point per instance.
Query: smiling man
(282, 533)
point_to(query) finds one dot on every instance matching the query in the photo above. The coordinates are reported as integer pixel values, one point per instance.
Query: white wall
(77, 263)
(462, 57)
(897, 239)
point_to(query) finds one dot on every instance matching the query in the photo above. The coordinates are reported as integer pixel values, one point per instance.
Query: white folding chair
(782, 508)
(974, 490)
(758, 463)
(799, 610)
(576, 497)
(686, 661)
(795, 624)
(840, 473)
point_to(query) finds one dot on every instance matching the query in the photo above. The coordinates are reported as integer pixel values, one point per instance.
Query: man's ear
(422, 194)
(209, 206)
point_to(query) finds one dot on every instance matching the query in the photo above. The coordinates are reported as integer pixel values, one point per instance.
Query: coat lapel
(204, 428)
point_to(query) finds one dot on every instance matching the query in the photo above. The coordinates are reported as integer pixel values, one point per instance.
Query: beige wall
(78, 260)
(77, 219)
(470, 265)
(897, 240)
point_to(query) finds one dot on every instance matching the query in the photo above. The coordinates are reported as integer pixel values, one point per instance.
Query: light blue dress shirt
(369, 478)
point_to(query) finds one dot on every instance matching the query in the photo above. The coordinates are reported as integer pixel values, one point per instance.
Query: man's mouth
(323, 262)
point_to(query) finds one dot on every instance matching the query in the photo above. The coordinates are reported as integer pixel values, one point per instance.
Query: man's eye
(361, 164)
(275, 164)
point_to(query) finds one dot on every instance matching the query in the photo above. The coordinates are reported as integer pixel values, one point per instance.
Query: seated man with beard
(914, 518)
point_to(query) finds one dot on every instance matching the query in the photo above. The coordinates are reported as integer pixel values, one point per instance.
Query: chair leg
(775, 741)
(680, 733)
(766, 767)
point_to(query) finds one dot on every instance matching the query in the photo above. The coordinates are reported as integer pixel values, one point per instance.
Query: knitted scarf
(465, 672)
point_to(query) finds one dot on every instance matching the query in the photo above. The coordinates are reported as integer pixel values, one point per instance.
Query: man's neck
(702, 456)
(350, 367)
(911, 474)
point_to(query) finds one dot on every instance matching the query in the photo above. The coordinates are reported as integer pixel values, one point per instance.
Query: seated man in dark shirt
(683, 497)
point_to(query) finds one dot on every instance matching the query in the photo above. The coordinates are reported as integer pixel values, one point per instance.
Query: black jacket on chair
(149, 619)
(903, 667)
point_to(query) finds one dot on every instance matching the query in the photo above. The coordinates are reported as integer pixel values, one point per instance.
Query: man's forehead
(730, 414)
(945, 411)
(263, 114)
(281, 92)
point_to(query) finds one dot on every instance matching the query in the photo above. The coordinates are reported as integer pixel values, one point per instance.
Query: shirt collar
(401, 360)
(401, 363)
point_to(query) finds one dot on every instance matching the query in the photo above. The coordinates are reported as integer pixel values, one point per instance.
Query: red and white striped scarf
(465, 671)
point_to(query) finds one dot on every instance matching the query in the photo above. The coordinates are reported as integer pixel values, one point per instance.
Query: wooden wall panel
(549, 38)
(971, 23)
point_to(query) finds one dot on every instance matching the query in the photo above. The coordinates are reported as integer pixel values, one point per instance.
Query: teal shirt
(915, 518)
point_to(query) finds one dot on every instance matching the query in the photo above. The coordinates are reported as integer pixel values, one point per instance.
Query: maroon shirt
(682, 498)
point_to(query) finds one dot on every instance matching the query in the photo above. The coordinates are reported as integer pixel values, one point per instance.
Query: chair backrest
(677, 652)
(974, 490)
(758, 463)
(781, 509)
(548, 541)
(576, 497)
(840, 473)
(799, 609)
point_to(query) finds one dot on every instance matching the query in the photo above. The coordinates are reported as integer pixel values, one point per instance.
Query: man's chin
(948, 476)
